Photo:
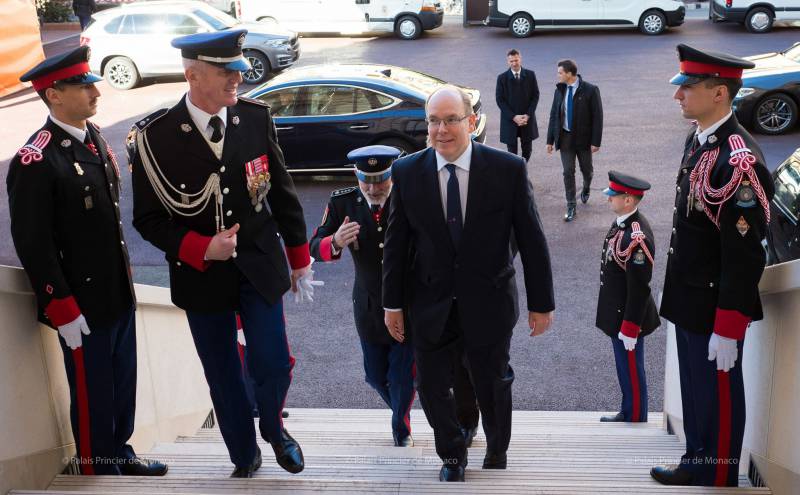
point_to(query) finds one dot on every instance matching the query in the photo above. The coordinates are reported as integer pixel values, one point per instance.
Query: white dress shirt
(702, 136)
(517, 74)
(201, 119)
(574, 87)
(76, 132)
(621, 219)
(462, 173)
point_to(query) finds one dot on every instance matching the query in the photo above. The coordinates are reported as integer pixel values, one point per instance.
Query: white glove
(628, 342)
(71, 332)
(724, 350)
(240, 337)
(305, 287)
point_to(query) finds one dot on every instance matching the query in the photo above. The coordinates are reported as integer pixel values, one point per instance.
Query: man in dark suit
(84, 10)
(575, 129)
(626, 311)
(455, 206)
(63, 197)
(211, 190)
(715, 262)
(517, 95)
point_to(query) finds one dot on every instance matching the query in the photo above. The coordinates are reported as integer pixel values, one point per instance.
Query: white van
(406, 18)
(758, 16)
(521, 17)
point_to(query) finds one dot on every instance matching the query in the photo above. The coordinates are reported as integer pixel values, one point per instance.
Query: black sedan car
(323, 112)
(770, 95)
(783, 237)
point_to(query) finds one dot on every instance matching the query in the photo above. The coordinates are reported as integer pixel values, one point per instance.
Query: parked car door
(285, 108)
(621, 9)
(784, 229)
(563, 12)
(147, 37)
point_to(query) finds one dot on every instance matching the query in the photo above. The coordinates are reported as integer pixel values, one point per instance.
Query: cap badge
(235, 120)
(372, 161)
(66, 143)
(186, 128)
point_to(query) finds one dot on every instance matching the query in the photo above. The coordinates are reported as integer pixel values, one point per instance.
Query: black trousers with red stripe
(632, 380)
(102, 384)
(713, 412)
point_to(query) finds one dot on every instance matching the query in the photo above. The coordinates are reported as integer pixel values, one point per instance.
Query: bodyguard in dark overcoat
(517, 96)
(715, 262)
(64, 193)
(211, 190)
(626, 311)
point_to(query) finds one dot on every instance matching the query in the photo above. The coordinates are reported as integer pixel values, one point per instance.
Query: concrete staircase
(350, 451)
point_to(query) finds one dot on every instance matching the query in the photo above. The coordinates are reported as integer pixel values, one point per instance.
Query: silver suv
(132, 41)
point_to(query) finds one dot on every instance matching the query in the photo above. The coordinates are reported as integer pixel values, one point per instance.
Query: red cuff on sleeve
(62, 311)
(630, 329)
(193, 250)
(730, 323)
(299, 256)
(326, 249)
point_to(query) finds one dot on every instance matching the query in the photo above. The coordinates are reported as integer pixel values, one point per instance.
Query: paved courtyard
(571, 366)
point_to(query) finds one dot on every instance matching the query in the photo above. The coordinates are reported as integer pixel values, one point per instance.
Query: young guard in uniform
(626, 311)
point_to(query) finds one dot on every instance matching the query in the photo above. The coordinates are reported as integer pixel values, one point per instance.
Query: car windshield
(787, 187)
(793, 53)
(216, 19)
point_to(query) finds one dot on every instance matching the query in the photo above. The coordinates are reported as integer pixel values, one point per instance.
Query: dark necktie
(454, 219)
(569, 109)
(516, 76)
(89, 144)
(216, 124)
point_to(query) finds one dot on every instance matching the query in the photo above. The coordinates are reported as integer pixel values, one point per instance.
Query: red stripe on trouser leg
(407, 415)
(634, 386)
(238, 345)
(724, 432)
(84, 432)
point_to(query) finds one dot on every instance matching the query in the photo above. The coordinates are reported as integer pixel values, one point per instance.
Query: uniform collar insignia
(712, 139)
(186, 128)
(66, 143)
(235, 120)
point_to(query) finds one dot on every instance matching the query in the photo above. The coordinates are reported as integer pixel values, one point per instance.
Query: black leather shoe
(406, 441)
(570, 215)
(671, 475)
(619, 417)
(284, 414)
(142, 467)
(469, 434)
(585, 196)
(288, 453)
(451, 473)
(247, 471)
(495, 460)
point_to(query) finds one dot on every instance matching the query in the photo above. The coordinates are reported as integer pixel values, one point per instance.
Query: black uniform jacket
(367, 255)
(587, 116)
(625, 301)
(187, 161)
(713, 272)
(479, 272)
(66, 226)
(517, 98)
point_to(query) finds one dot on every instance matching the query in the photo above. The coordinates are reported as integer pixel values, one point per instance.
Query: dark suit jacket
(479, 272)
(84, 7)
(625, 294)
(517, 98)
(587, 116)
(367, 259)
(187, 162)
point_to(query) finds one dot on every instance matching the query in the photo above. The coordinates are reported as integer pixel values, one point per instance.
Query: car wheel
(121, 73)
(775, 114)
(408, 27)
(653, 22)
(259, 67)
(759, 20)
(403, 146)
(521, 25)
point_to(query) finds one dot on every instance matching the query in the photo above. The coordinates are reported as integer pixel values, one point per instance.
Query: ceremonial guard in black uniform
(211, 190)
(63, 192)
(715, 263)
(626, 311)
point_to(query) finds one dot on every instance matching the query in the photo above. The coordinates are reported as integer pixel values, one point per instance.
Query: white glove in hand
(305, 287)
(240, 337)
(724, 350)
(71, 332)
(628, 342)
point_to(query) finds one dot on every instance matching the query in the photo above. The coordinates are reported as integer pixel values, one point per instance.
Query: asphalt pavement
(570, 367)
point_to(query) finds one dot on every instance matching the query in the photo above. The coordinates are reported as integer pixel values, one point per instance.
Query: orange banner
(20, 42)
